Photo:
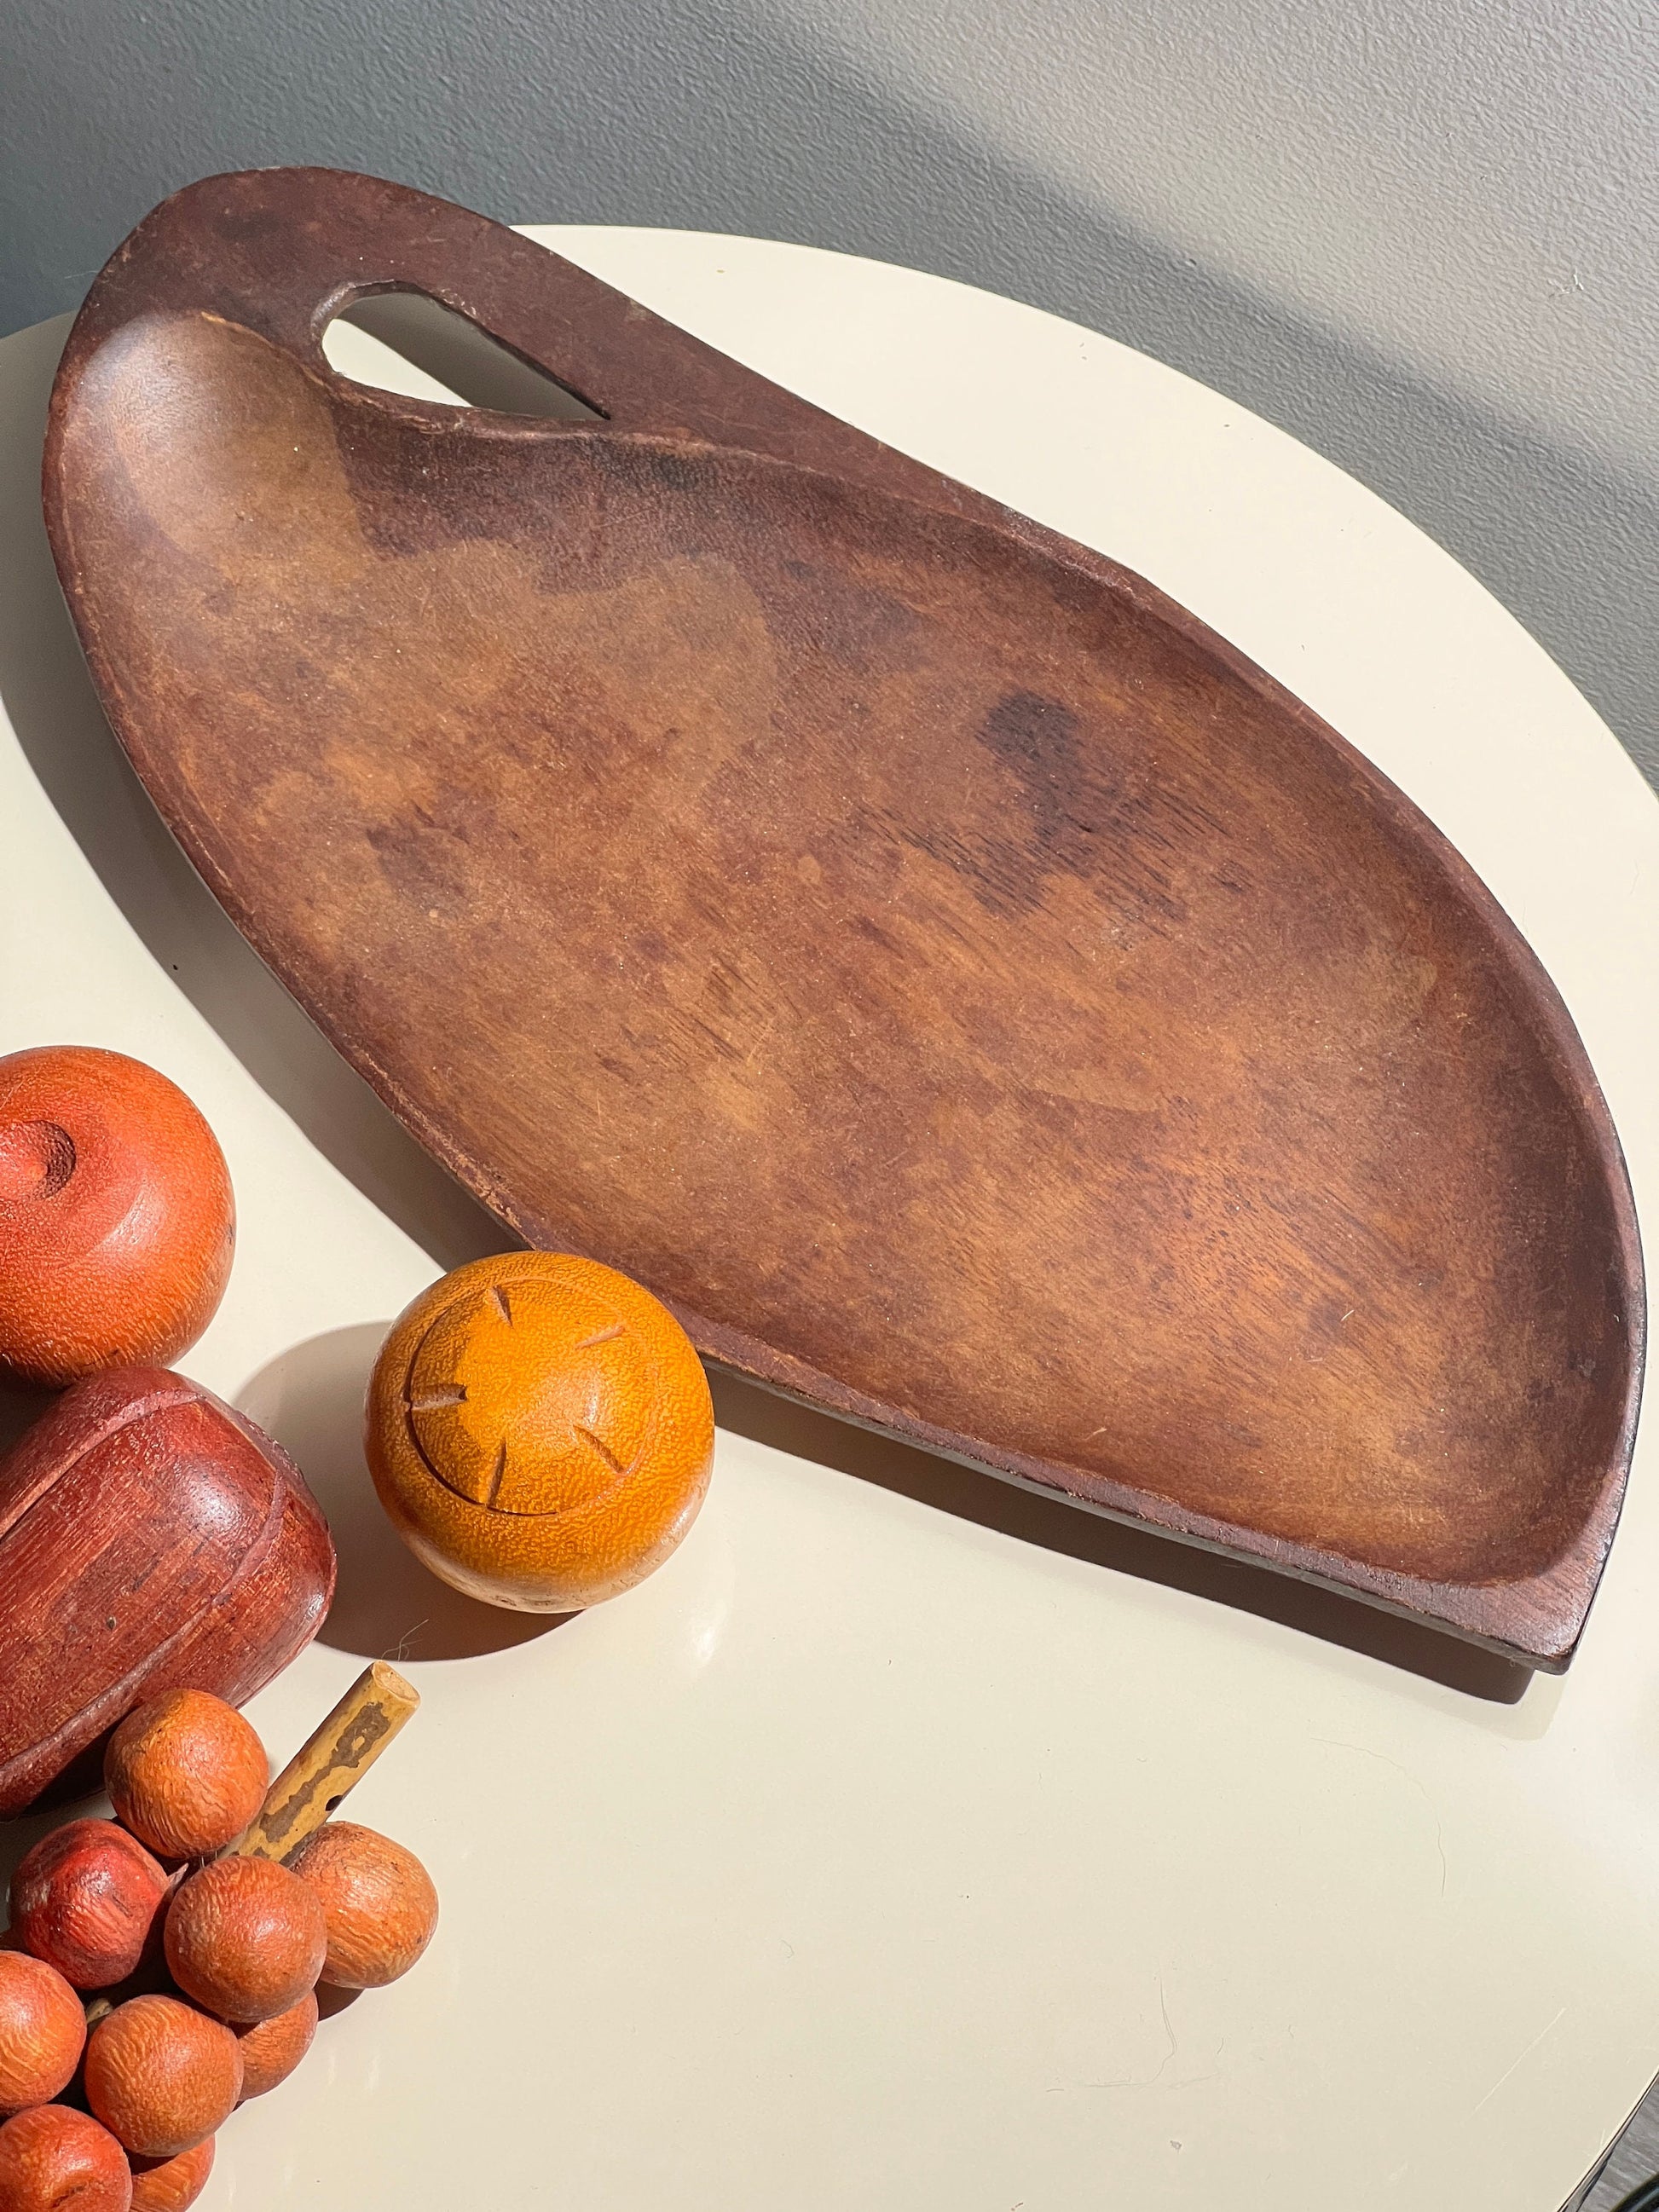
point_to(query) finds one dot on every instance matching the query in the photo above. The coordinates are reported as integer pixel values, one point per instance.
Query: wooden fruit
(171, 2185)
(186, 1773)
(246, 1938)
(55, 2160)
(150, 1538)
(85, 1899)
(116, 1224)
(43, 2031)
(160, 2075)
(271, 2049)
(540, 1430)
(378, 1900)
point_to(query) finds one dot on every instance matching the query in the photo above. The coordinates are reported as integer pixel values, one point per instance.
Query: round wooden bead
(117, 1222)
(540, 1430)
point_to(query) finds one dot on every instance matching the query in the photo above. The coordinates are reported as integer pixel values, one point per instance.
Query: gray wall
(1419, 233)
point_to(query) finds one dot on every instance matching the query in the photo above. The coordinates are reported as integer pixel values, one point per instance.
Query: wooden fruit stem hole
(333, 1759)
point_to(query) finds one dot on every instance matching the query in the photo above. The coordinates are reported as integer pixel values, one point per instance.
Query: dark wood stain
(151, 1539)
(976, 998)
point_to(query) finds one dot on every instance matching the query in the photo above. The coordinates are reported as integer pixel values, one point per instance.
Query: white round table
(907, 1842)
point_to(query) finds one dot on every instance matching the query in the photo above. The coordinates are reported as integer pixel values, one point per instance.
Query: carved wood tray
(976, 998)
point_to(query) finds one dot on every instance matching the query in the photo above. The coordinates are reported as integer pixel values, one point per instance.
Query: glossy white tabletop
(907, 1843)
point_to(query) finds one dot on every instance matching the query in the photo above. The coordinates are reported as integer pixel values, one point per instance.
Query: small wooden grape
(52, 2157)
(85, 1899)
(186, 1773)
(246, 1938)
(272, 2048)
(43, 2031)
(171, 2185)
(378, 1901)
(160, 2075)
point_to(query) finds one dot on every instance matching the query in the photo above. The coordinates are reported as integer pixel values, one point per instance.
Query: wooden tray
(976, 997)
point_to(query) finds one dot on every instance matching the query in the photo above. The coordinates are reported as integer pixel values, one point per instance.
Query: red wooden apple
(151, 1539)
(116, 1224)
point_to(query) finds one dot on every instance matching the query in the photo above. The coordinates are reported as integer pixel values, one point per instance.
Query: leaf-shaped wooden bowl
(978, 999)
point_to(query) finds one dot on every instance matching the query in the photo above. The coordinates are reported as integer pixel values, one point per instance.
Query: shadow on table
(60, 726)
(386, 1606)
(311, 1398)
(1057, 1526)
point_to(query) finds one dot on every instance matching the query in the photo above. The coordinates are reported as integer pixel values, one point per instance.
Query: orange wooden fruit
(540, 1430)
(271, 2049)
(378, 1900)
(186, 1773)
(84, 1898)
(246, 1938)
(42, 2032)
(171, 2185)
(116, 1222)
(52, 2159)
(160, 2075)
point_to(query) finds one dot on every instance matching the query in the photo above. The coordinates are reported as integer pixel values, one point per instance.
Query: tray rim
(1536, 1619)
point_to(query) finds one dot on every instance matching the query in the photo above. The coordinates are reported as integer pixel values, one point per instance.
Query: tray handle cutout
(455, 360)
(286, 253)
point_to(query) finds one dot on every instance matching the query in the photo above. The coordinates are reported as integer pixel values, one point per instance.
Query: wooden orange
(540, 1430)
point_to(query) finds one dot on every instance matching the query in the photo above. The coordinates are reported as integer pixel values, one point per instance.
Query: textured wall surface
(1418, 233)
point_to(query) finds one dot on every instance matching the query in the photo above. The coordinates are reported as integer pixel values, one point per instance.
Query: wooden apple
(150, 1539)
(116, 1222)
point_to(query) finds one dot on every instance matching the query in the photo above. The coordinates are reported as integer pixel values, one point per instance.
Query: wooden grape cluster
(162, 1966)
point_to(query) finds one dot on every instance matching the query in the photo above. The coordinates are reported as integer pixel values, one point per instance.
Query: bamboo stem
(331, 1760)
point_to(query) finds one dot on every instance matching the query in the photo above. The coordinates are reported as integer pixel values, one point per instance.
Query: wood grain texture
(117, 1224)
(150, 1539)
(331, 1762)
(970, 992)
(539, 1431)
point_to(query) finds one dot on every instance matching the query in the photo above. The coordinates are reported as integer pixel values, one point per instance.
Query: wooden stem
(333, 1759)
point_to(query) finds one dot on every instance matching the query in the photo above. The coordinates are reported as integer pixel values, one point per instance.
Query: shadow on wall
(708, 118)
